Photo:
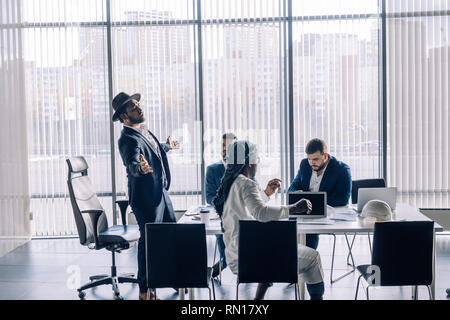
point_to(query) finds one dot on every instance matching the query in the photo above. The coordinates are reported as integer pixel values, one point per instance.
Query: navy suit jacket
(144, 190)
(336, 181)
(213, 179)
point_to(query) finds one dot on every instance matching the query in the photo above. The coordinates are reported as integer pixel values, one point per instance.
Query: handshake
(301, 206)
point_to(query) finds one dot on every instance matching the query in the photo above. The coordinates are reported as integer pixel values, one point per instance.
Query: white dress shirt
(314, 183)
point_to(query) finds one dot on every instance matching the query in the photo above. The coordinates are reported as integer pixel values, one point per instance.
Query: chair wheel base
(128, 275)
(98, 277)
(82, 295)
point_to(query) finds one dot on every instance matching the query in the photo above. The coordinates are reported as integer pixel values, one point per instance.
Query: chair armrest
(123, 205)
(95, 215)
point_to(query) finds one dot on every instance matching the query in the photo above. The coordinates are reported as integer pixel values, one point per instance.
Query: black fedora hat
(120, 101)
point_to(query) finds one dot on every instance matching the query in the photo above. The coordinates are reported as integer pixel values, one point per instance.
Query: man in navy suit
(213, 179)
(322, 172)
(147, 170)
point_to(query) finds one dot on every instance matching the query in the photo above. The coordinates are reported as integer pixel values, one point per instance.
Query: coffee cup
(204, 216)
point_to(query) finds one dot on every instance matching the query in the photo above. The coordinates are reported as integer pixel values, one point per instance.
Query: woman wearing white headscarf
(240, 198)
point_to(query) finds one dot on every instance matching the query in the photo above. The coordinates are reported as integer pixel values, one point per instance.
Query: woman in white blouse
(240, 198)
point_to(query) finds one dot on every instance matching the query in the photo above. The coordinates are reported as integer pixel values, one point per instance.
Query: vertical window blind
(243, 83)
(67, 101)
(418, 45)
(153, 53)
(14, 187)
(226, 63)
(335, 81)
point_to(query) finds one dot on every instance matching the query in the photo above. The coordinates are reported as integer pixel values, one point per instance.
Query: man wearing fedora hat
(147, 170)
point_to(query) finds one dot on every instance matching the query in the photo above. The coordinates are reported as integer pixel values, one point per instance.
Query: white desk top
(404, 212)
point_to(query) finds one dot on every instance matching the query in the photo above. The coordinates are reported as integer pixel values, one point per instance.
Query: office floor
(46, 269)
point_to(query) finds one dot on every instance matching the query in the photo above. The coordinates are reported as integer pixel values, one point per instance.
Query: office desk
(403, 212)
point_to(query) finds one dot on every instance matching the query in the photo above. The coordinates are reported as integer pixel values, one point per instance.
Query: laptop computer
(388, 195)
(318, 201)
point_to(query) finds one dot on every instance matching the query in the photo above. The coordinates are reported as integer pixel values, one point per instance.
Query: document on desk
(341, 213)
(315, 221)
(195, 210)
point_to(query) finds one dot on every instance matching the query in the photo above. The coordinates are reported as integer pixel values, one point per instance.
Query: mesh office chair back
(176, 255)
(83, 197)
(365, 183)
(92, 226)
(403, 250)
(267, 252)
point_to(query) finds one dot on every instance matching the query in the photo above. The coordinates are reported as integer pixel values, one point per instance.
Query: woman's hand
(272, 186)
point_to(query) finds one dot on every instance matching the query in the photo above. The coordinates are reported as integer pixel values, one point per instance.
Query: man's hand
(272, 187)
(303, 205)
(173, 144)
(145, 168)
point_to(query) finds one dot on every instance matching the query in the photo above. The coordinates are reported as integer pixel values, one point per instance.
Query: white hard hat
(377, 210)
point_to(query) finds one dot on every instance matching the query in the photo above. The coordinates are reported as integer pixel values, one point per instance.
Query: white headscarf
(239, 154)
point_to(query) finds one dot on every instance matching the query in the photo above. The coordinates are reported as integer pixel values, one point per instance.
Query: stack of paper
(342, 214)
(343, 217)
(315, 221)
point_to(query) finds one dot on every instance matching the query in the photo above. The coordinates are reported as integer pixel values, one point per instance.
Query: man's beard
(136, 120)
(320, 168)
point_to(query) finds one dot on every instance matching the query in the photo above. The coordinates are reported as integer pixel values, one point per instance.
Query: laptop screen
(318, 201)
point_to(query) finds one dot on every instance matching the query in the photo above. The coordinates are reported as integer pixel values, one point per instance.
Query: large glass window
(153, 53)
(231, 68)
(243, 79)
(335, 81)
(67, 102)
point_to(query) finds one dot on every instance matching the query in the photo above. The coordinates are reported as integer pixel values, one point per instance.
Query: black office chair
(92, 226)
(365, 183)
(177, 256)
(356, 184)
(267, 252)
(402, 256)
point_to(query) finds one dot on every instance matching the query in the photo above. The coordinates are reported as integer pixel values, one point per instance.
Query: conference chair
(356, 184)
(267, 252)
(365, 183)
(92, 226)
(176, 256)
(402, 256)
